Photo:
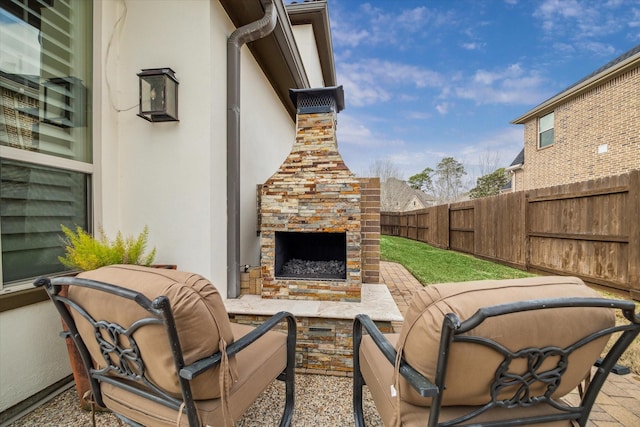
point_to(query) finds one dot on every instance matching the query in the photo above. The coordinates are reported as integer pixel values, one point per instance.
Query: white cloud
(353, 131)
(583, 22)
(350, 38)
(443, 107)
(370, 81)
(489, 77)
(347, 35)
(371, 25)
(413, 19)
(473, 45)
(506, 142)
(360, 145)
(598, 48)
(502, 145)
(360, 89)
(511, 85)
(412, 162)
(418, 115)
(564, 48)
(553, 11)
(634, 19)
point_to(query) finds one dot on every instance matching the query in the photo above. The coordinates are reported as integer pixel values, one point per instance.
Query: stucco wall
(309, 51)
(597, 134)
(172, 176)
(33, 354)
(169, 176)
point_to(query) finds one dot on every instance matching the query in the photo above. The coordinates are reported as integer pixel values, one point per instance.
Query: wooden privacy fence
(589, 229)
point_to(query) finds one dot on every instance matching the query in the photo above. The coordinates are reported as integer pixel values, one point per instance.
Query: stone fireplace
(310, 211)
(319, 229)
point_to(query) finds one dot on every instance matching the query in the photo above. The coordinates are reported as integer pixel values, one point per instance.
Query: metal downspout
(245, 34)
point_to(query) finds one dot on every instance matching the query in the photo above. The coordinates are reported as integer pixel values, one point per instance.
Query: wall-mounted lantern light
(158, 95)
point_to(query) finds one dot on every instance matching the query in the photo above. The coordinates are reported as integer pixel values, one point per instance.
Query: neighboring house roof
(277, 54)
(619, 65)
(397, 195)
(517, 162)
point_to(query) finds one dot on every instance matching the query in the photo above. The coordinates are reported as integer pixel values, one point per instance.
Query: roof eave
(277, 54)
(606, 75)
(317, 14)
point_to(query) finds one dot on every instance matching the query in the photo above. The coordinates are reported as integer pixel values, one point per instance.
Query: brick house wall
(597, 134)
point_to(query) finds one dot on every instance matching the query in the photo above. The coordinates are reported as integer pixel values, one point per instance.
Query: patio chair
(492, 353)
(160, 351)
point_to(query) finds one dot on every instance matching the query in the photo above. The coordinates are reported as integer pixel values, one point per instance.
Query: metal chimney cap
(318, 100)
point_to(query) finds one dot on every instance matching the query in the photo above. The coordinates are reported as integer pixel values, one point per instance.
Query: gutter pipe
(245, 34)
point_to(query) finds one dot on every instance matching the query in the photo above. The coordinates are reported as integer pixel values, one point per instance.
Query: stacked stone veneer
(313, 191)
(323, 346)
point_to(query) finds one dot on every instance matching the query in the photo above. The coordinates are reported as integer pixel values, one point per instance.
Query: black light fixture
(158, 95)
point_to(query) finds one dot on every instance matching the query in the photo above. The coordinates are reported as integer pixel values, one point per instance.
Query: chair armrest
(200, 366)
(418, 381)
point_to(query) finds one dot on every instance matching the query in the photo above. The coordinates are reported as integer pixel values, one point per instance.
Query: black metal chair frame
(453, 330)
(131, 368)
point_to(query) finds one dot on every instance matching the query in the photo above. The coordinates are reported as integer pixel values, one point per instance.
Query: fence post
(527, 231)
(633, 216)
(448, 217)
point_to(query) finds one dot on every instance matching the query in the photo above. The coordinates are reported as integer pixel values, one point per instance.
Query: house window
(545, 130)
(45, 132)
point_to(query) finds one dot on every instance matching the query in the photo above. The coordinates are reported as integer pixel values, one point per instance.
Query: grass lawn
(432, 265)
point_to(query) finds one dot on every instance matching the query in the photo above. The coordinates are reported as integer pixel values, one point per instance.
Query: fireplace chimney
(310, 213)
(320, 100)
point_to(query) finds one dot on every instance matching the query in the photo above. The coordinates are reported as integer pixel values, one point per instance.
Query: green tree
(423, 180)
(448, 182)
(489, 184)
(444, 183)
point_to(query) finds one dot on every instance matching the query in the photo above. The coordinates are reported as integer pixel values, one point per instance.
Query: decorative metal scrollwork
(119, 350)
(533, 377)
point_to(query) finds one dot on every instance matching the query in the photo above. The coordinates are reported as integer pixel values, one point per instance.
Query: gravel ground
(320, 401)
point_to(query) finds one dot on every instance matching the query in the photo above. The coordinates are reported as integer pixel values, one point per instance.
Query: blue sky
(425, 80)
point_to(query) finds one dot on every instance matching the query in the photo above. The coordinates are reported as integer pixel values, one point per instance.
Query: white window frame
(25, 156)
(91, 168)
(547, 117)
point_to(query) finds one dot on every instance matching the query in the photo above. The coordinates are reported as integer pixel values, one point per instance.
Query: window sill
(13, 299)
(25, 294)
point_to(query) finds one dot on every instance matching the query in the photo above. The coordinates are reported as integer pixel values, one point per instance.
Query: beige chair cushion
(200, 316)
(472, 367)
(258, 365)
(378, 374)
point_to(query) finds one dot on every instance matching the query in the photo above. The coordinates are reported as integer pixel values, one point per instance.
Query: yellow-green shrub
(85, 252)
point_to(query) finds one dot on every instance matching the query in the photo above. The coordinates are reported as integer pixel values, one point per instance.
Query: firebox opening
(311, 255)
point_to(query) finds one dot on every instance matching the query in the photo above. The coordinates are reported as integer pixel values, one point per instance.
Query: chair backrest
(534, 341)
(136, 327)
